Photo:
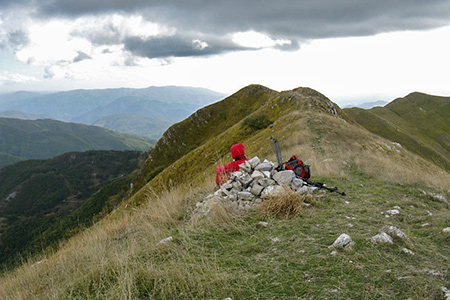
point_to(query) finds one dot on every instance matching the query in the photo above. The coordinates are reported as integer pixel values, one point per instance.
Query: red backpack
(295, 164)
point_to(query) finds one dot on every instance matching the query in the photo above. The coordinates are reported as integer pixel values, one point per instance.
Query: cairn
(255, 182)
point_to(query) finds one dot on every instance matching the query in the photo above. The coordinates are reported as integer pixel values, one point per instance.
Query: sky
(352, 51)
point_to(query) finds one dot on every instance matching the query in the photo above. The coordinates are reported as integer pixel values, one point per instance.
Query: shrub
(257, 122)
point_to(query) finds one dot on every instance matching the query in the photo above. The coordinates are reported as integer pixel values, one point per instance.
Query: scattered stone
(382, 238)
(446, 230)
(164, 241)
(38, 263)
(446, 292)
(426, 224)
(396, 233)
(343, 241)
(276, 240)
(392, 212)
(436, 273)
(407, 251)
(262, 224)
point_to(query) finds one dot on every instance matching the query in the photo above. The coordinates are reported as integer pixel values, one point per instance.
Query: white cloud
(253, 39)
(7, 78)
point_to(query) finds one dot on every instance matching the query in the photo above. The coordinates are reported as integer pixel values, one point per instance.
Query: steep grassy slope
(227, 254)
(26, 139)
(419, 122)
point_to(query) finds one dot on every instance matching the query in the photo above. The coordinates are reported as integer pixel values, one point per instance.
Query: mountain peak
(308, 99)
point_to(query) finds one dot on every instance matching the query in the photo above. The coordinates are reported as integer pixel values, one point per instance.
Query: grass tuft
(287, 205)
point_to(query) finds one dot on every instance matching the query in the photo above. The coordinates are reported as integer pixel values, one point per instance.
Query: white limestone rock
(343, 241)
(284, 177)
(273, 191)
(254, 162)
(257, 175)
(382, 238)
(246, 166)
(296, 184)
(396, 233)
(256, 190)
(245, 196)
(265, 166)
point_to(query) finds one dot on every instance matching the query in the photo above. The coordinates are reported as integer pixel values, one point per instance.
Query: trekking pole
(276, 146)
(322, 185)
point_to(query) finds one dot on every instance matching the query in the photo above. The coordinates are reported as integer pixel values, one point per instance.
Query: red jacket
(223, 172)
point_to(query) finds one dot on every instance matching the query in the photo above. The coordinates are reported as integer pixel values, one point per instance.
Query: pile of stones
(255, 182)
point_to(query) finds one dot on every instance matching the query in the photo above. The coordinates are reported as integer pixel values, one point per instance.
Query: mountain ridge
(417, 121)
(45, 138)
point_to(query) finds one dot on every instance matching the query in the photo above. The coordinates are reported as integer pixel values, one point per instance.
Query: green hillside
(142, 125)
(153, 246)
(419, 122)
(26, 139)
(39, 198)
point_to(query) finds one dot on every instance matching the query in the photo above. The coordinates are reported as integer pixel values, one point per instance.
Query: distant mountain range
(38, 139)
(156, 108)
(369, 105)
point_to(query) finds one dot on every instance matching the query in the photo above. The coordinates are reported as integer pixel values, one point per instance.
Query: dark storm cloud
(289, 18)
(294, 20)
(178, 46)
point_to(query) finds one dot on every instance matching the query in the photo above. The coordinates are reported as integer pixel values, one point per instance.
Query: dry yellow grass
(107, 256)
(286, 205)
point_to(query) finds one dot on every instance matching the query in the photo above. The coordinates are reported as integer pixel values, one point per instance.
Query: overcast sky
(349, 50)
